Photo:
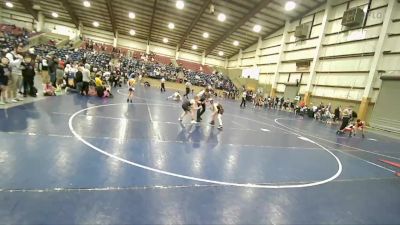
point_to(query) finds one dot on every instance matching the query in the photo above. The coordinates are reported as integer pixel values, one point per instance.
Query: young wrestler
(349, 128)
(345, 121)
(176, 96)
(131, 89)
(359, 126)
(217, 111)
(189, 107)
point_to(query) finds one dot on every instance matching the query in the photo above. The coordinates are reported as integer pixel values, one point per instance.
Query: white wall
(17, 18)
(61, 28)
(339, 76)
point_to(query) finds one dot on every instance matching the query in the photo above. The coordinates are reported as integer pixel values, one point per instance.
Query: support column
(115, 43)
(177, 52)
(203, 58)
(40, 22)
(315, 62)
(80, 31)
(366, 99)
(226, 63)
(258, 52)
(239, 60)
(280, 58)
(148, 47)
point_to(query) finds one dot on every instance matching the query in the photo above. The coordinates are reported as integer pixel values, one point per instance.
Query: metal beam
(71, 12)
(193, 23)
(319, 4)
(29, 7)
(256, 9)
(152, 19)
(112, 17)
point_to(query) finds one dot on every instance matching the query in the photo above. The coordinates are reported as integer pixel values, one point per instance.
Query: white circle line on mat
(246, 185)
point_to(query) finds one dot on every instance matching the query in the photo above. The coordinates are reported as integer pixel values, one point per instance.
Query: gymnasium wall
(17, 18)
(345, 57)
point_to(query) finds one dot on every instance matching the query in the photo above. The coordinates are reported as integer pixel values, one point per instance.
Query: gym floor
(77, 160)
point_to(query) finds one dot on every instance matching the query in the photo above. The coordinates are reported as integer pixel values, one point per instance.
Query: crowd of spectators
(10, 35)
(113, 65)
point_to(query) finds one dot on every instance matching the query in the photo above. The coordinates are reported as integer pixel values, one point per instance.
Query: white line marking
(276, 121)
(306, 139)
(369, 162)
(339, 171)
(134, 188)
(265, 130)
(173, 141)
(372, 139)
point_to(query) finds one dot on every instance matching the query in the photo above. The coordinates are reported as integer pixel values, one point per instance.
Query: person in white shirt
(15, 59)
(85, 79)
(162, 84)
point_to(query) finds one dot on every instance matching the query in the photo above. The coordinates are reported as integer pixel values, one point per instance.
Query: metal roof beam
(319, 4)
(29, 7)
(152, 19)
(193, 23)
(71, 12)
(256, 9)
(112, 17)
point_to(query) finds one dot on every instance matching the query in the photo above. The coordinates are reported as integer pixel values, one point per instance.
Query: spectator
(5, 74)
(28, 75)
(15, 58)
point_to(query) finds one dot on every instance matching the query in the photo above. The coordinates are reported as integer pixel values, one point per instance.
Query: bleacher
(162, 59)
(192, 66)
(11, 35)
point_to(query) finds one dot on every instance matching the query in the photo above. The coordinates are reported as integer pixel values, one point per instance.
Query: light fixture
(131, 15)
(290, 5)
(220, 53)
(86, 3)
(132, 32)
(221, 17)
(235, 43)
(171, 26)
(165, 40)
(205, 35)
(180, 4)
(257, 28)
(9, 4)
(54, 14)
(194, 47)
(96, 24)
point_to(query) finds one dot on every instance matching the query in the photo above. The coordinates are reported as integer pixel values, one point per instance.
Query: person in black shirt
(5, 73)
(52, 67)
(79, 79)
(28, 74)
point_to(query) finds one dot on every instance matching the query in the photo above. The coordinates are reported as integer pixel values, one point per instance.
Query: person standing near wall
(15, 59)
(28, 74)
(244, 96)
(86, 79)
(5, 74)
(52, 68)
